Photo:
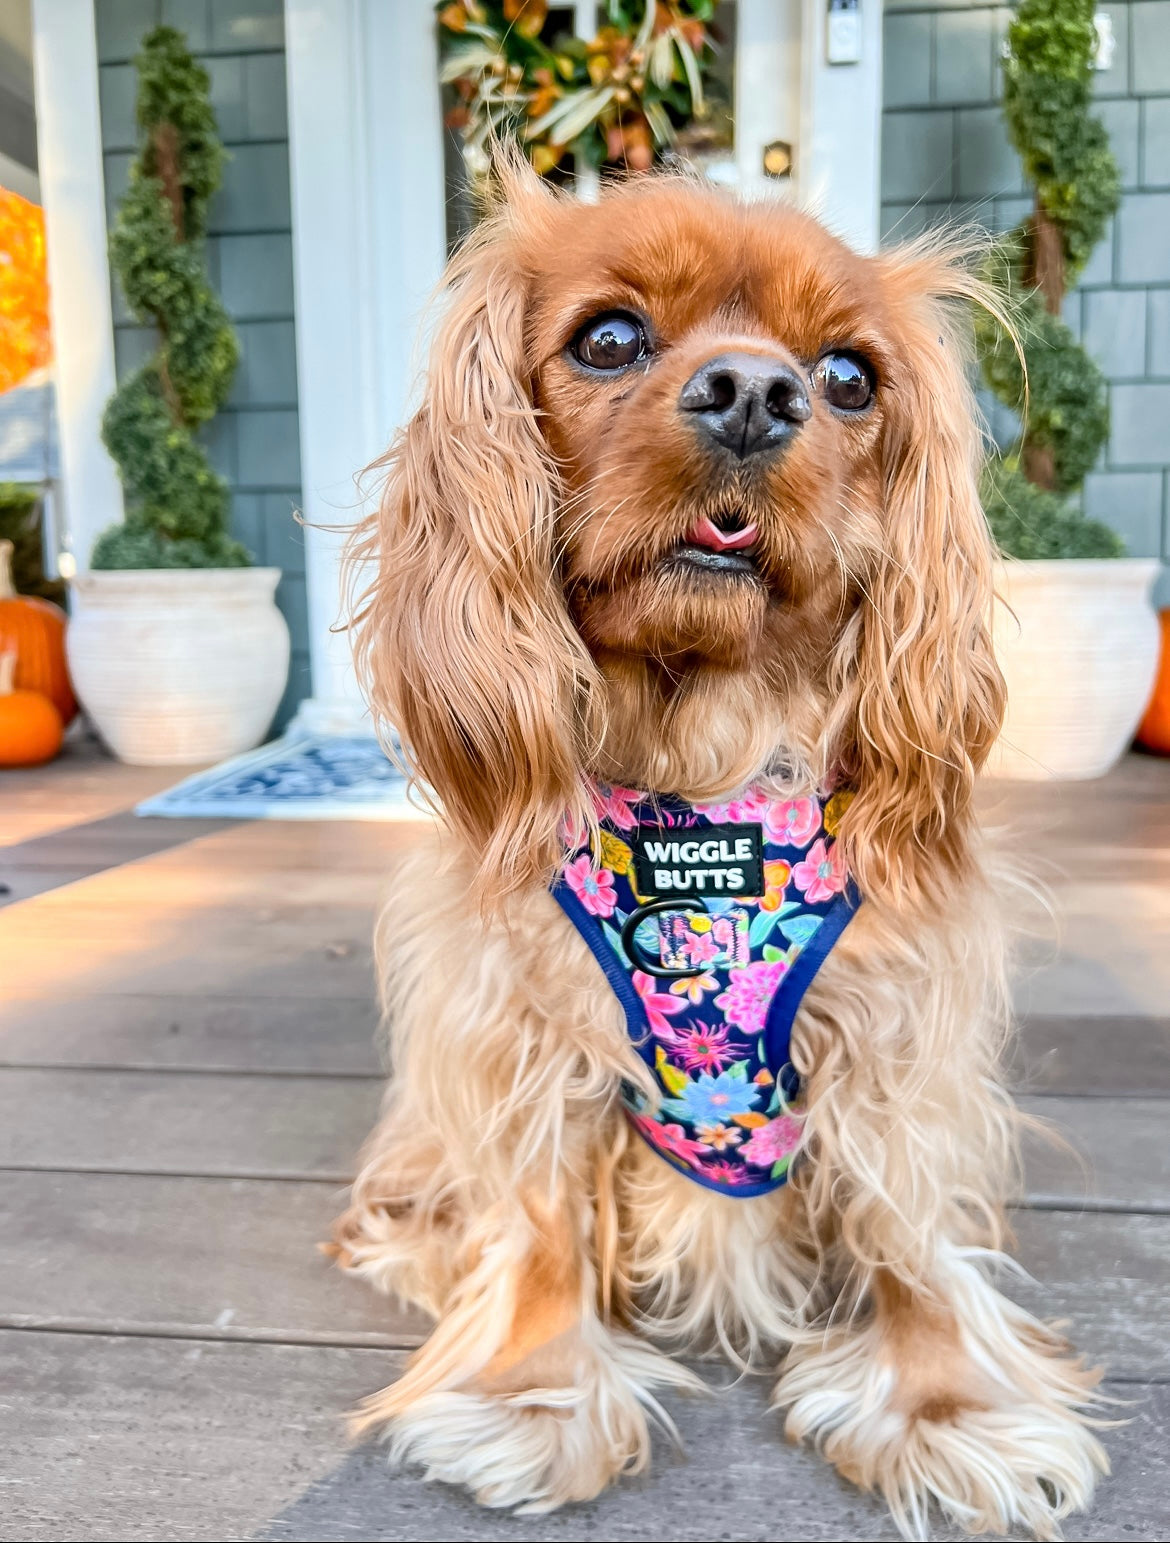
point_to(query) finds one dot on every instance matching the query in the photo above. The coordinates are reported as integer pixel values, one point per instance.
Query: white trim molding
(369, 244)
(767, 90)
(838, 163)
(69, 154)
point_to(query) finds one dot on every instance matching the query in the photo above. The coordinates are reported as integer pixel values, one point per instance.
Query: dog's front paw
(990, 1426)
(536, 1447)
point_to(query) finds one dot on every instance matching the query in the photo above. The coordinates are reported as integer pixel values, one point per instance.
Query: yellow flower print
(719, 1137)
(693, 987)
(834, 809)
(674, 1079)
(615, 854)
(699, 922)
(776, 876)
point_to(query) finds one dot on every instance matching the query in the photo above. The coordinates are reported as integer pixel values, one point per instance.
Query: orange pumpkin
(30, 726)
(34, 630)
(1154, 729)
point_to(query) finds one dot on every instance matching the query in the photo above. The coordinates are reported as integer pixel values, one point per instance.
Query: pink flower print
(793, 822)
(722, 931)
(720, 1138)
(613, 804)
(724, 1172)
(749, 994)
(702, 1047)
(657, 1003)
(773, 1142)
(592, 886)
(694, 987)
(700, 947)
(750, 808)
(822, 873)
(670, 1138)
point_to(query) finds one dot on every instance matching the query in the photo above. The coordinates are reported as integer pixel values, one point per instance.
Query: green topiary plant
(176, 505)
(1062, 397)
(20, 523)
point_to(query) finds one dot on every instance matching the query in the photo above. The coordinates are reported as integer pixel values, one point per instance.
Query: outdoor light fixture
(778, 159)
(843, 35)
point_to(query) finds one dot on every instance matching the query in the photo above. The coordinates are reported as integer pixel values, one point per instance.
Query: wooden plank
(82, 784)
(236, 1258)
(1119, 1056)
(1125, 814)
(64, 857)
(107, 842)
(143, 928)
(174, 1122)
(108, 1438)
(1115, 1055)
(230, 1033)
(1103, 955)
(1117, 1158)
(261, 1126)
(198, 920)
(346, 846)
(1107, 1274)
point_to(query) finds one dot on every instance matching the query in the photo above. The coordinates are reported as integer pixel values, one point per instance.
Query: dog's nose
(746, 402)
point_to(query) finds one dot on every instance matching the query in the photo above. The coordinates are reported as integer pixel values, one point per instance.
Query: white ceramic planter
(1079, 655)
(178, 666)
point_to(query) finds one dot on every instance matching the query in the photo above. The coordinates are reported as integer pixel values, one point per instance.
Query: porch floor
(187, 1067)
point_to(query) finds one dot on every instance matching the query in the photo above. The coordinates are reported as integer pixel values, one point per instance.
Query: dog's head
(691, 496)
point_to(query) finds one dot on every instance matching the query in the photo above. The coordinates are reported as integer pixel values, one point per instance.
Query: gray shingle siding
(254, 441)
(945, 156)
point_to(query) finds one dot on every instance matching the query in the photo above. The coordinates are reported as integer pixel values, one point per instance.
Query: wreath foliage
(617, 99)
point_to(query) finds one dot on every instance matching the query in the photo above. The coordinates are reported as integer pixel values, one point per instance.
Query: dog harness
(710, 922)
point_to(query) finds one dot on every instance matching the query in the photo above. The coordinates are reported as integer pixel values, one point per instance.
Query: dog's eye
(611, 343)
(844, 380)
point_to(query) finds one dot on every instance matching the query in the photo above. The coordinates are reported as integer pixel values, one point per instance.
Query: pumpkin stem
(7, 672)
(7, 587)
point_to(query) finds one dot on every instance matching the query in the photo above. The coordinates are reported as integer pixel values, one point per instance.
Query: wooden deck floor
(186, 1070)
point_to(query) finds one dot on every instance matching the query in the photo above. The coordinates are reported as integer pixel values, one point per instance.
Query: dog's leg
(522, 1393)
(949, 1392)
(923, 1382)
(479, 1199)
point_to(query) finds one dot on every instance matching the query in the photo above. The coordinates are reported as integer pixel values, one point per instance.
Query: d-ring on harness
(633, 948)
(710, 923)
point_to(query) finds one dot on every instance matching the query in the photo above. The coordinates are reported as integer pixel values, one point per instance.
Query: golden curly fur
(522, 631)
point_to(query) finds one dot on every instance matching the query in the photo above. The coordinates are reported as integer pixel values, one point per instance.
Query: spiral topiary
(176, 505)
(1061, 395)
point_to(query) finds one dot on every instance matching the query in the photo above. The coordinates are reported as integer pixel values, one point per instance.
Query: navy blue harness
(710, 922)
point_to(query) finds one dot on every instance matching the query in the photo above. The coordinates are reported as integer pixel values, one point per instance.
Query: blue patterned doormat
(299, 777)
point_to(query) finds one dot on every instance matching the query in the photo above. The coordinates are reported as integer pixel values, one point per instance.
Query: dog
(679, 589)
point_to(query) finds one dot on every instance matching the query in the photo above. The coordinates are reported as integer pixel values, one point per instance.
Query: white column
(767, 88)
(840, 135)
(69, 151)
(369, 243)
(585, 26)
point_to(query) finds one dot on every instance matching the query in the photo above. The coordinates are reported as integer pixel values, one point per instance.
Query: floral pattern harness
(710, 922)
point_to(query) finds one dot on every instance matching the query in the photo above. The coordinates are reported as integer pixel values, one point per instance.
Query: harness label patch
(712, 860)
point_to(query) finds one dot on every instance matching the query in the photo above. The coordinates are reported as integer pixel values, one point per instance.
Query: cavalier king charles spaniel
(678, 601)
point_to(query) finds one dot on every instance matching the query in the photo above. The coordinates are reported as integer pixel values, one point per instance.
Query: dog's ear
(930, 697)
(463, 641)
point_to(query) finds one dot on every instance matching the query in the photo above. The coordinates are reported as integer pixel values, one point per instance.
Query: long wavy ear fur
(929, 695)
(462, 640)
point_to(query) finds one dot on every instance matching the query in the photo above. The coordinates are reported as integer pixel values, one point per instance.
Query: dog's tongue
(706, 533)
